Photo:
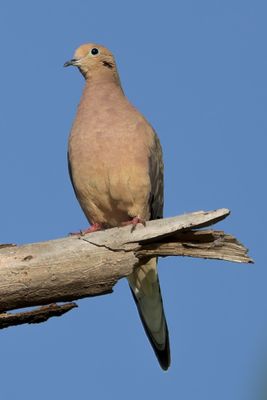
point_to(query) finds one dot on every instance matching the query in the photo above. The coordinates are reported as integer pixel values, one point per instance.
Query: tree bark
(80, 266)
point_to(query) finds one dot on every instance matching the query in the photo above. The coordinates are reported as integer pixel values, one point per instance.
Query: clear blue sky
(197, 70)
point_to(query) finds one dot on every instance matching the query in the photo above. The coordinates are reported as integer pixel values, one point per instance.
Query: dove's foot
(93, 228)
(136, 220)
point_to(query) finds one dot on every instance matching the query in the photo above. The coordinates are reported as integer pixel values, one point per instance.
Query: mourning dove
(116, 169)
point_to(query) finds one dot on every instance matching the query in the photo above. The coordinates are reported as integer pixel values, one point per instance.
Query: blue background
(197, 71)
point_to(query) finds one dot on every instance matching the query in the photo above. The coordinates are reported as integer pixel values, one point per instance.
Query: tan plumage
(116, 168)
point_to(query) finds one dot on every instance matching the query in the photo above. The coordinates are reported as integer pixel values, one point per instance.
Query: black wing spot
(108, 64)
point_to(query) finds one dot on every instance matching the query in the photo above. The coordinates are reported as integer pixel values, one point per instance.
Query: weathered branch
(81, 266)
(36, 316)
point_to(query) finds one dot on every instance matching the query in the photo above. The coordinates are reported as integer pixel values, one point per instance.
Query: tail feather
(145, 288)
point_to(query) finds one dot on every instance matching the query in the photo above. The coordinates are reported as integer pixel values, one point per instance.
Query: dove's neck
(102, 75)
(104, 87)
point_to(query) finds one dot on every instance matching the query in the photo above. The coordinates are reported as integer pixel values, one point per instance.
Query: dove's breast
(109, 150)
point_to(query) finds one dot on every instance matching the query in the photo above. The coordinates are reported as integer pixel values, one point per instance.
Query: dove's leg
(93, 228)
(134, 221)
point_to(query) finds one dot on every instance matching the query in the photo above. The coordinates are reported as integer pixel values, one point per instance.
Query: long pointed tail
(144, 284)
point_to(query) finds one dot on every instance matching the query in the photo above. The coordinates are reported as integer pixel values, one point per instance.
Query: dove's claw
(136, 220)
(93, 228)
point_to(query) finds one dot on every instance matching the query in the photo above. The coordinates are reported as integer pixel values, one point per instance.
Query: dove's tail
(145, 288)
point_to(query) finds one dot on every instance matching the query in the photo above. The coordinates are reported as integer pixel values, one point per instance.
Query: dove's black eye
(94, 51)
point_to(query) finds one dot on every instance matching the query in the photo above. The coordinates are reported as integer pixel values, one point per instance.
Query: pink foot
(94, 228)
(136, 220)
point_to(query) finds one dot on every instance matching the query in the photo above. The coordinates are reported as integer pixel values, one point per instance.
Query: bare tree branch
(36, 316)
(80, 266)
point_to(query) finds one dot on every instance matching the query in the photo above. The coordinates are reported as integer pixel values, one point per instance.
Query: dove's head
(94, 60)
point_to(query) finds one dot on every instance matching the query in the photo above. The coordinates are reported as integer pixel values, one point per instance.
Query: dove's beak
(73, 62)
